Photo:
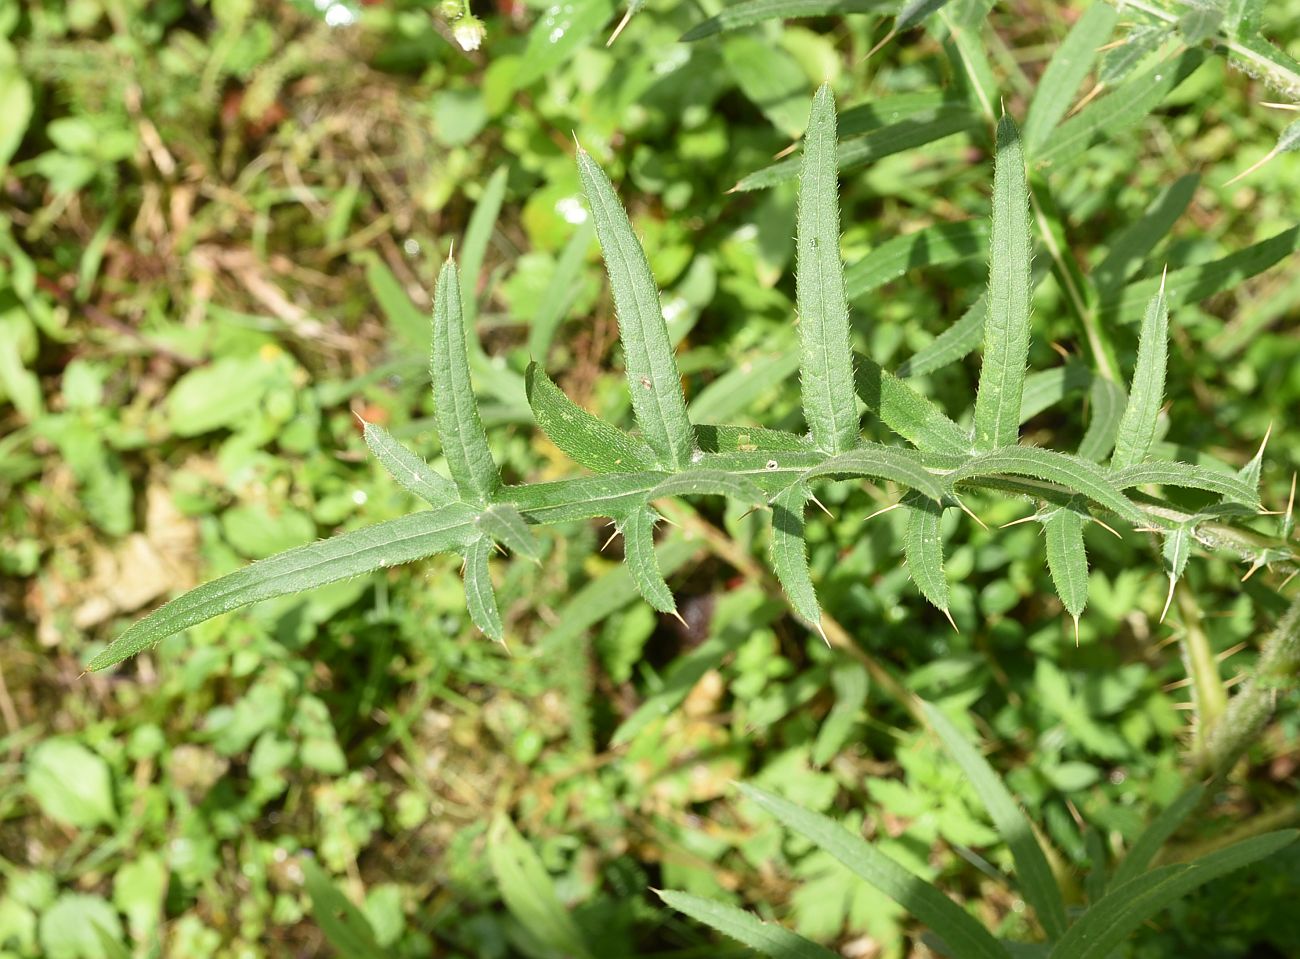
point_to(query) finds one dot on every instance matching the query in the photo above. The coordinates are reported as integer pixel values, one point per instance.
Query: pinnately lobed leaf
(409, 471)
(829, 403)
(639, 553)
(1076, 475)
(455, 409)
(790, 552)
(765, 938)
(480, 598)
(504, 525)
(656, 386)
(901, 466)
(962, 933)
(923, 549)
(1067, 559)
(1137, 427)
(1006, 325)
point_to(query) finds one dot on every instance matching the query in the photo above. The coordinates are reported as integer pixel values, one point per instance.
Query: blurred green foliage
(219, 234)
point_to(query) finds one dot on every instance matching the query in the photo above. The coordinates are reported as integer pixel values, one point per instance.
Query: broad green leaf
(504, 525)
(1114, 113)
(1137, 427)
(826, 368)
(480, 598)
(914, 11)
(1067, 559)
(563, 28)
(901, 466)
(956, 342)
(708, 482)
(555, 303)
(411, 472)
(656, 386)
(749, 12)
(1067, 69)
(765, 938)
(1006, 327)
(851, 684)
(455, 408)
(790, 553)
(639, 554)
(1153, 838)
(905, 411)
(860, 151)
(1134, 243)
(1107, 401)
(341, 922)
(1187, 476)
(477, 234)
(1109, 922)
(349, 554)
(1033, 873)
(70, 784)
(1191, 284)
(530, 894)
(1074, 474)
(586, 439)
(962, 934)
(936, 245)
(1046, 388)
(923, 549)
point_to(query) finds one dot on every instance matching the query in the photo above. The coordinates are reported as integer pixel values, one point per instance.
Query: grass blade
(1065, 71)
(410, 472)
(826, 366)
(1187, 476)
(657, 397)
(873, 146)
(790, 553)
(1155, 835)
(1125, 107)
(480, 598)
(923, 550)
(561, 31)
(963, 935)
(554, 305)
(529, 893)
(1006, 327)
(585, 439)
(914, 11)
(957, 342)
(903, 467)
(1067, 560)
(349, 554)
(765, 938)
(478, 232)
(1046, 388)
(1107, 399)
(905, 411)
(1076, 475)
(639, 552)
(750, 12)
(936, 245)
(1132, 244)
(736, 390)
(1034, 874)
(1109, 922)
(1191, 284)
(1137, 427)
(504, 525)
(455, 409)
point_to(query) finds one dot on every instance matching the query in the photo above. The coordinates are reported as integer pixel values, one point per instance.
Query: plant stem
(1250, 710)
(1209, 695)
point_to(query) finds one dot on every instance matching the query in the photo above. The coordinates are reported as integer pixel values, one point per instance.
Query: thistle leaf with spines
(923, 549)
(585, 439)
(826, 368)
(1137, 427)
(656, 385)
(480, 597)
(639, 553)
(504, 525)
(790, 553)
(1067, 560)
(464, 442)
(1006, 325)
(1187, 476)
(409, 471)
(1075, 475)
(883, 462)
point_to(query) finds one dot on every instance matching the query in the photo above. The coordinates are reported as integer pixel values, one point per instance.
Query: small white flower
(469, 32)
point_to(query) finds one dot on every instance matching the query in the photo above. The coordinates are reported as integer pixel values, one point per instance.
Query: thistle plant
(473, 513)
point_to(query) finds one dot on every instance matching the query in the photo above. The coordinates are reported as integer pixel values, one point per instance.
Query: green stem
(1209, 694)
(1251, 709)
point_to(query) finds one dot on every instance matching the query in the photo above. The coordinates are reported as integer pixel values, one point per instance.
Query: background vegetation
(221, 227)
